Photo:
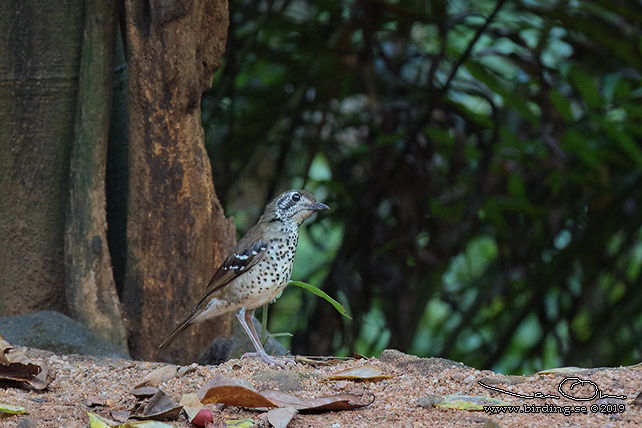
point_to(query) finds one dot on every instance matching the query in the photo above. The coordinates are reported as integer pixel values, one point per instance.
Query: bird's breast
(270, 275)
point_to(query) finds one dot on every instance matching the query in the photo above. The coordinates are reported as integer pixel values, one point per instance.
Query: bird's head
(294, 205)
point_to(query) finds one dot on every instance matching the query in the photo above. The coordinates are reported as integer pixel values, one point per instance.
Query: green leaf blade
(320, 293)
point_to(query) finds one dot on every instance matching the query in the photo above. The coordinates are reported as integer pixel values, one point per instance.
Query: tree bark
(177, 232)
(90, 286)
(38, 77)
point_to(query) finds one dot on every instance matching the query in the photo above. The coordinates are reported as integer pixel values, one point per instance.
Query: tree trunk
(177, 232)
(91, 290)
(38, 78)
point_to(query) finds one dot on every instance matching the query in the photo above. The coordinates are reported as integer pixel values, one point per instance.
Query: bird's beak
(318, 206)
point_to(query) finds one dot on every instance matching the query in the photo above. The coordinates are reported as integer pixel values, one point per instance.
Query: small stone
(27, 422)
(182, 371)
(428, 401)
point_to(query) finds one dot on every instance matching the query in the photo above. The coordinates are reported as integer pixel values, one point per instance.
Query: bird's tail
(178, 331)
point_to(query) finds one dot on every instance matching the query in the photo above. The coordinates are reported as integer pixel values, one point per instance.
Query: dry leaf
(281, 417)
(232, 392)
(239, 423)
(463, 402)
(16, 366)
(144, 392)
(159, 408)
(97, 400)
(317, 405)
(12, 410)
(120, 415)
(144, 424)
(319, 361)
(191, 405)
(159, 375)
(96, 421)
(363, 373)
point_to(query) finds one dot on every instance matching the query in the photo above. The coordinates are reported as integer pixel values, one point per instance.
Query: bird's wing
(241, 260)
(244, 255)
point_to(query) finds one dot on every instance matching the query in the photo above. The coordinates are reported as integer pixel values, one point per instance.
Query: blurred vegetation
(482, 159)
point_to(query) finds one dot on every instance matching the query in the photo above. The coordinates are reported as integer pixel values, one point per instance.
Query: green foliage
(320, 293)
(483, 163)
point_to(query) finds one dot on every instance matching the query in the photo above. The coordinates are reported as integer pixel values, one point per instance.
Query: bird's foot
(280, 361)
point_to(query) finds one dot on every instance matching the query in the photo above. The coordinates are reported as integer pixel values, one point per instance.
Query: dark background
(483, 164)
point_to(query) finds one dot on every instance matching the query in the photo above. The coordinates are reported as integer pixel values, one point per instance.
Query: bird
(257, 269)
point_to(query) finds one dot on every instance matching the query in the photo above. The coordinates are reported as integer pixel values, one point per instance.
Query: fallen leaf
(43, 379)
(159, 375)
(239, 423)
(317, 405)
(191, 405)
(638, 400)
(281, 417)
(144, 424)
(120, 415)
(232, 392)
(159, 408)
(12, 410)
(97, 400)
(318, 361)
(16, 366)
(464, 402)
(144, 392)
(96, 421)
(363, 373)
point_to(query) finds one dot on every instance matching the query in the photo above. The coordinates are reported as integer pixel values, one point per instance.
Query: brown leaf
(97, 400)
(16, 366)
(144, 392)
(363, 373)
(232, 392)
(281, 417)
(320, 404)
(319, 361)
(159, 408)
(159, 375)
(120, 415)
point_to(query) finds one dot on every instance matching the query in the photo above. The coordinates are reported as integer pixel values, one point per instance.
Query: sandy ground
(102, 386)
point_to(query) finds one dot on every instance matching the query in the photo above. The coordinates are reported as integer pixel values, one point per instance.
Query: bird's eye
(296, 197)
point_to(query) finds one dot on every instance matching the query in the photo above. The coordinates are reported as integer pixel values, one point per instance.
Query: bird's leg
(245, 318)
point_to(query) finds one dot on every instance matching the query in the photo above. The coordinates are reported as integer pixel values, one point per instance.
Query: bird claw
(280, 361)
